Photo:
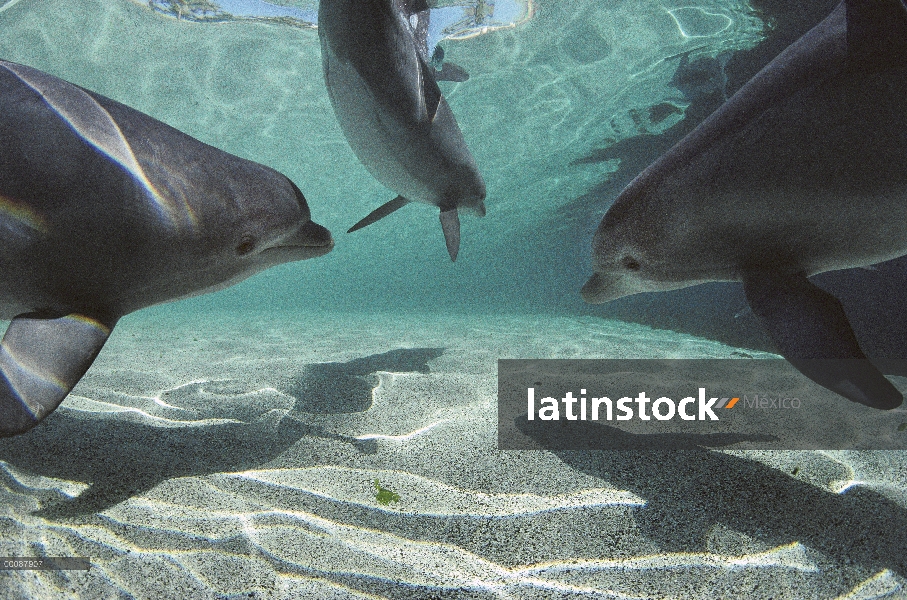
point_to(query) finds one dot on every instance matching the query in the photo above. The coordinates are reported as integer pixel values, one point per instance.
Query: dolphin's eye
(630, 263)
(246, 245)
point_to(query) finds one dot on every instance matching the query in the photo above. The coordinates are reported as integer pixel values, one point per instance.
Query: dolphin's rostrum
(105, 210)
(389, 106)
(802, 171)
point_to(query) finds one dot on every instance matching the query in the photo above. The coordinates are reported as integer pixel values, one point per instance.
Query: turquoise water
(541, 95)
(231, 445)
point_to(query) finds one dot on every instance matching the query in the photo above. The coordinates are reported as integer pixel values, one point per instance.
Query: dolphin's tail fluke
(379, 213)
(450, 223)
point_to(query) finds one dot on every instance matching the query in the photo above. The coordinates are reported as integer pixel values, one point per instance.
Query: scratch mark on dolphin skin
(93, 123)
(22, 380)
(22, 213)
(9, 5)
(104, 329)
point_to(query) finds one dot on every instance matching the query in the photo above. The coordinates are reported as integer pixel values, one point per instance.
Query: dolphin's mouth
(299, 252)
(598, 289)
(323, 246)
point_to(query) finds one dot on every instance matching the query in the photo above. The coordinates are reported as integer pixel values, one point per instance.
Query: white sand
(211, 456)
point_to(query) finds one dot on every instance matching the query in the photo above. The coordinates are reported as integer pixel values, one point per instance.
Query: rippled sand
(213, 455)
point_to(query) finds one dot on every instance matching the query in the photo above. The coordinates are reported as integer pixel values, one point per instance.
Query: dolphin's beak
(316, 239)
(310, 241)
(313, 234)
(599, 289)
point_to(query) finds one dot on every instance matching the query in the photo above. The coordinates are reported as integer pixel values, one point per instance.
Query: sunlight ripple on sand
(424, 496)
(278, 498)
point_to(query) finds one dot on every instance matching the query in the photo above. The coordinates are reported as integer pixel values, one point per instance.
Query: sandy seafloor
(226, 456)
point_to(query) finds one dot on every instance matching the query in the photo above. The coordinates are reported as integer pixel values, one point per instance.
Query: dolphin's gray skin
(804, 170)
(103, 211)
(391, 110)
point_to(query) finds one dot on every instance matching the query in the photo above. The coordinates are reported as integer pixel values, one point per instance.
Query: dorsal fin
(876, 34)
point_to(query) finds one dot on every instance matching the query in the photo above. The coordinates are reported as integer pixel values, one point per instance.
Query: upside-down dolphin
(802, 171)
(105, 210)
(392, 112)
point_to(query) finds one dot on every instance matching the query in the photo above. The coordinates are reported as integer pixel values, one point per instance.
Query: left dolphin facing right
(104, 211)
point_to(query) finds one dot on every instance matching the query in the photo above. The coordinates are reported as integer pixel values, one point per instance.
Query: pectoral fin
(811, 330)
(431, 93)
(451, 72)
(379, 213)
(450, 223)
(41, 359)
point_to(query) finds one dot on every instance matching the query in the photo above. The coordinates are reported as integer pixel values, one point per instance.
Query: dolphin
(105, 210)
(802, 171)
(391, 110)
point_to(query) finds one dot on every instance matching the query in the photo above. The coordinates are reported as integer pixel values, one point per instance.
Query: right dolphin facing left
(802, 171)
